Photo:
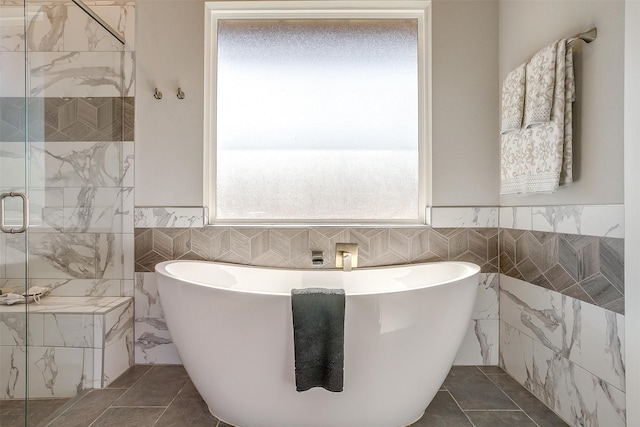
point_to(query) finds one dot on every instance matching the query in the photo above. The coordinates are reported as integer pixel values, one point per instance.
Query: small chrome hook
(157, 94)
(180, 94)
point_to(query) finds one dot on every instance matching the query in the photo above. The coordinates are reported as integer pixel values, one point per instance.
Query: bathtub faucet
(346, 256)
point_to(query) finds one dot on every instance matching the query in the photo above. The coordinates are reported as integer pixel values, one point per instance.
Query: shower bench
(74, 343)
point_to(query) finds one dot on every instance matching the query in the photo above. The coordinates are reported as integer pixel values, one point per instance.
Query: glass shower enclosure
(63, 120)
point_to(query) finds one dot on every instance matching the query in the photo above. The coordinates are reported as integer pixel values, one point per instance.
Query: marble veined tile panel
(119, 321)
(70, 305)
(82, 33)
(127, 167)
(12, 30)
(53, 371)
(118, 357)
(147, 297)
(604, 221)
(79, 74)
(475, 217)
(481, 343)
(169, 217)
(67, 256)
(12, 160)
(14, 84)
(3, 260)
(45, 27)
(61, 256)
(589, 336)
(516, 217)
(487, 299)
(153, 343)
(81, 287)
(572, 392)
(590, 220)
(75, 164)
(14, 330)
(94, 209)
(72, 330)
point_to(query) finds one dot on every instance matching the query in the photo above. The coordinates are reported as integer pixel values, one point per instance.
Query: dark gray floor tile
(542, 415)
(187, 409)
(473, 390)
(130, 377)
(39, 410)
(491, 369)
(138, 417)
(89, 407)
(170, 400)
(500, 418)
(443, 412)
(12, 411)
(157, 388)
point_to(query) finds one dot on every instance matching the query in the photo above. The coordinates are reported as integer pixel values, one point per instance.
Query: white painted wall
(632, 208)
(465, 103)
(465, 98)
(169, 54)
(528, 25)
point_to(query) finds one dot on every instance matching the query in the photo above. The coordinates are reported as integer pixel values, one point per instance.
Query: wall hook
(180, 94)
(157, 94)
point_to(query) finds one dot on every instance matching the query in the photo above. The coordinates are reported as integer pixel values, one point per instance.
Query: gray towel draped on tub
(318, 337)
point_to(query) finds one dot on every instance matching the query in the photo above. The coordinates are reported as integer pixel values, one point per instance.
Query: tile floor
(163, 396)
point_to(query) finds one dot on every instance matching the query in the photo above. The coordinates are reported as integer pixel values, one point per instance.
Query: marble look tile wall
(80, 152)
(291, 247)
(588, 268)
(169, 217)
(561, 308)
(153, 343)
(569, 353)
(439, 217)
(81, 213)
(590, 220)
(69, 55)
(74, 343)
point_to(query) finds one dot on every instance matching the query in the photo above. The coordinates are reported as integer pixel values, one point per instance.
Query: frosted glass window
(317, 120)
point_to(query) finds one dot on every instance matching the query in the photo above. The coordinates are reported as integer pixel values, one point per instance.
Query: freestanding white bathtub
(233, 329)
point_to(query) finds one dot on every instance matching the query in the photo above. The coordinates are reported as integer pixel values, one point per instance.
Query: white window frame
(330, 9)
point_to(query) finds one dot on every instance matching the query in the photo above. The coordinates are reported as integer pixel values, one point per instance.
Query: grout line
(460, 407)
(172, 400)
(509, 397)
(101, 414)
(69, 405)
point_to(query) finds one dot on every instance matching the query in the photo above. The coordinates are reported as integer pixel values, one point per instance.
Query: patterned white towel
(513, 100)
(539, 159)
(541, 76)
(566, 174)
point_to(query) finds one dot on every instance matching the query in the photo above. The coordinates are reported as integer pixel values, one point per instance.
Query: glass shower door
(14, 335)
(62, 127)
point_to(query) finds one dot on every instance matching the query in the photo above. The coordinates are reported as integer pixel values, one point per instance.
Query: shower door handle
(25, 213)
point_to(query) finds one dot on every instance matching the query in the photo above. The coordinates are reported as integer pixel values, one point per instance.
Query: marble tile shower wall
(79, 129)
(77, 120)
(561, 309)
(291, 247)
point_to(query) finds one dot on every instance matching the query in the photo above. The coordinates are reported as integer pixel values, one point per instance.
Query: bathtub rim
(471, 270)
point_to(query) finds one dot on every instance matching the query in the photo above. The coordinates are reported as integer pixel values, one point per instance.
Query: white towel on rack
(513, 90)
(539, 159)
(566, 174)
(541, 76)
